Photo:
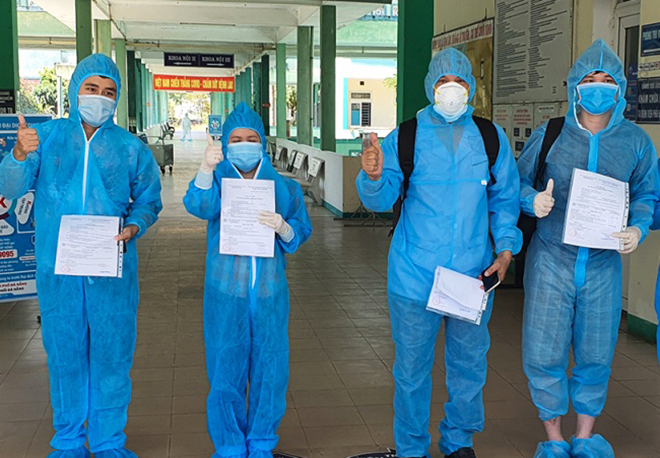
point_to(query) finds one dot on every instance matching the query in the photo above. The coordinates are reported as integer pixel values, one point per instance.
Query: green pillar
(9, 78)
(413, 55)
(264, 104)
(248, 86)
(132, 90)
(139, 108)
(280, 90)
(256, 87)
(83, 29)
(328, 57)
(217, 103)
(103, 36)
(239, 88)
(122, 107)
(305, 74)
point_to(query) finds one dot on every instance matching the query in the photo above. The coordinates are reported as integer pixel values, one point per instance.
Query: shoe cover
(81, 452)
(594, 447)
(553, 449)
(260, 454)
(115, 453)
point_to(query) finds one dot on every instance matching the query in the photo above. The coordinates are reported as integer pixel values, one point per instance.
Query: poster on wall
(503, 117)
(18, 263)
(522, 124)
(476, 42)
(543, 112)
(648, 101)
(531, 50)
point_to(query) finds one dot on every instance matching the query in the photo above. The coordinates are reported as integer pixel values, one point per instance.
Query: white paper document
(86, 246)
(240, 231)
(597, 207)
(458, 296)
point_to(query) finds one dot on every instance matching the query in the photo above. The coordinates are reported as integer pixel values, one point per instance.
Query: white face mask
(95, 110)
(451, 101)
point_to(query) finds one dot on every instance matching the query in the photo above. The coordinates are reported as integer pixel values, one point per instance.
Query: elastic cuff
(136, 222)
(288, 236)
(527, 204)
(204, 180)
(16, 161)
(368, 186)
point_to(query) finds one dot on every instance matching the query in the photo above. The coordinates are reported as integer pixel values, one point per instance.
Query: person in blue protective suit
(246, 299)
(451, 205)
(573, 294)
(86, 165)
(656, 226)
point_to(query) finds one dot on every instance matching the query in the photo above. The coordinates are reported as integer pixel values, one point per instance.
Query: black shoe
(465, 452)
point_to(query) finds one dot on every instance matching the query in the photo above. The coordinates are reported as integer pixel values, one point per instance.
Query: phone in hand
(490, 283)
(366, 140)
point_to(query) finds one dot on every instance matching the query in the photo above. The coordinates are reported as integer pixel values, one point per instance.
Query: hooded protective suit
(246, 310)
(573, 295)
(450, 207)
(89, 325)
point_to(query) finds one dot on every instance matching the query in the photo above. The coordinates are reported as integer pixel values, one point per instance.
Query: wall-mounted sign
(648, 101)
(650, 39)
(531, 61)
(18, 264)
(7, 102)
(180, 59)
(194, 83)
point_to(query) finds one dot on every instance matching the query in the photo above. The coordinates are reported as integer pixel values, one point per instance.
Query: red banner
(194, 83)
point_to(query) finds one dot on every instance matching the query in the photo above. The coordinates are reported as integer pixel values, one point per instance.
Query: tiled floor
(341, 355)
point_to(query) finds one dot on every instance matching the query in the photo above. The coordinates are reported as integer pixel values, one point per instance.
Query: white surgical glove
(631, 237)
(543, 202)
(212, 156)
(277, 223)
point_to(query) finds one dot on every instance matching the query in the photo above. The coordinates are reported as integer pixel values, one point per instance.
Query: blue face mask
(597, 98)
(245, 155)
(95, 110)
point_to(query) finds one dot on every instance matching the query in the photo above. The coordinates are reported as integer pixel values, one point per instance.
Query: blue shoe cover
(594, 447)
(81, 452)
(260, 454)
(553, 449)
(115, 453)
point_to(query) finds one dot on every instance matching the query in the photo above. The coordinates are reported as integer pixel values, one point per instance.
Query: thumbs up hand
(27, 142)
(212, 156)
(373, 159)
(543, 202)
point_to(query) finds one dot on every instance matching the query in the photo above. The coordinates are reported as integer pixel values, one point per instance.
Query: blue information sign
(215, 125)
(18, 263)
(181, 59)
(648, 107)
(650, 39)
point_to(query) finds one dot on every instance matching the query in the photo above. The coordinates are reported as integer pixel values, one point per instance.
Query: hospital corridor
(339, 402)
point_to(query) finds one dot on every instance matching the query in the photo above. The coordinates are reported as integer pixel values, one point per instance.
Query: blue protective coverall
(656, 226)
(89, 325)
(246, 311)
(573, 295)
(450, 207)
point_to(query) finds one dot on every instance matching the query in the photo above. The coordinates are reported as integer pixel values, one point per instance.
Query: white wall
(454, 14)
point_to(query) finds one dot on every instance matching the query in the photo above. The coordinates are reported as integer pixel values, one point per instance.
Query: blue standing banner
(18, 265)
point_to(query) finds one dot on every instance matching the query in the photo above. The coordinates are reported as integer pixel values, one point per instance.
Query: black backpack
(406, 148)
(526, 223)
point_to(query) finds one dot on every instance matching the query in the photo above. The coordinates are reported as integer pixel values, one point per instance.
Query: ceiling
(245, 29)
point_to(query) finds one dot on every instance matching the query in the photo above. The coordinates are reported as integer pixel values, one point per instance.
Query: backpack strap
(491, 142)
(406, 151)
(552, 131)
